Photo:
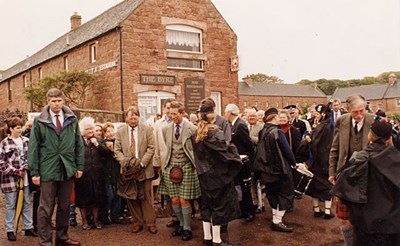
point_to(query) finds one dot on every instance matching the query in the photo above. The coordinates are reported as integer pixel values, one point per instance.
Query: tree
(74, 84)
(260, 77)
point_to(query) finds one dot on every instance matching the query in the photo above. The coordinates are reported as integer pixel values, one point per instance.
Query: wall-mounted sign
(149, 79)
(194, 93)
(102, 67)
(234, 63)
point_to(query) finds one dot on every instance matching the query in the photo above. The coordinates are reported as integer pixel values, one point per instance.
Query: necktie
(58, 124)
(177, 133)
(355, 127)
(336, 114)
(133, 144)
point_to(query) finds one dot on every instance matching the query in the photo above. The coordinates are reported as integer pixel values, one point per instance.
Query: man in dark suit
(241, 139)
(337, 109)
(350, 135)
(295, 120)
(136, 140)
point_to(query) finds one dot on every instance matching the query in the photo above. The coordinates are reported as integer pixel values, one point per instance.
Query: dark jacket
(370, 186)
(220, 160)
(51, 156)
(273, 156)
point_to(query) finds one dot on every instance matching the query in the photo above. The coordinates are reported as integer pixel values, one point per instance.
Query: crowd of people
(226, 163)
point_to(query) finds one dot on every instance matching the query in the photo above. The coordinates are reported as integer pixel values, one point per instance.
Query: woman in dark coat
(292, 134)
(320, 145)
(90, 189)
(217, 163)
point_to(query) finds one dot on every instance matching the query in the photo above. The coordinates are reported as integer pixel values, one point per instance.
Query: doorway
(150, 104)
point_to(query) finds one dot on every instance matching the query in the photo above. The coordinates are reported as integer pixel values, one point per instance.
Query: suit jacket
(241, 138)
(341, 140)
(254, 132)
(160, 147)
(188, 129)
(145, 147)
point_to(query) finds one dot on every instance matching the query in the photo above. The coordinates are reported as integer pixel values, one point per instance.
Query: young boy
(13, 165)
(369, 185)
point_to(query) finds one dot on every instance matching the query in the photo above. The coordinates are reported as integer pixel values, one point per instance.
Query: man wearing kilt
(179, 178)
(350, 135)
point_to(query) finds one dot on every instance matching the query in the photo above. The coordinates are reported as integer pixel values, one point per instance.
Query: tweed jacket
(188, 129)
(159, 143)
(145, 147)
(341, 141)
(11, 164)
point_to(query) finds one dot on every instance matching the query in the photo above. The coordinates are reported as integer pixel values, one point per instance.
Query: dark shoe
(329, 216)
(187, 235)
(30, 233)
(136, 228)
(11, 236)
(224, 228)
(178, 232)
(250, 218)
(318, 214)
(207, 242)
(223, 243)
(281, 227)
(152, 229)
(72, 222)
(173, 223)
(69, 242)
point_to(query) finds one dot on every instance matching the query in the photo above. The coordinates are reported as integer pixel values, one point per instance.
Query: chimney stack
(75, 21)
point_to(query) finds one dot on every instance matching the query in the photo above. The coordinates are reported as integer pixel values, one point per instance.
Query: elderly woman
(217, 163)
(90, 189)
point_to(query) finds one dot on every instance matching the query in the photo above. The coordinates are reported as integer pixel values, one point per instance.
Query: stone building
(379, 96)
(264, 95)
(144, 51)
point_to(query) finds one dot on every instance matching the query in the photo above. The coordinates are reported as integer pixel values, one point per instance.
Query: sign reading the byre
(149, 79)
(194, 93)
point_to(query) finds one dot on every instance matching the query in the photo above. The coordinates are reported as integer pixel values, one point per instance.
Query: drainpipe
(120, 68)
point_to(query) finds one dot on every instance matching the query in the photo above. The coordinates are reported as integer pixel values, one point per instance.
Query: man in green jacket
(55, 157)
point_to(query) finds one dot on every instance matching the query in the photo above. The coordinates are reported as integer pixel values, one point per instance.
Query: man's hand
(332, 179)
(78, 174)
(36, 180)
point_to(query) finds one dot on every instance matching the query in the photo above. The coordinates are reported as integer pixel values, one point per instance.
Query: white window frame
(40, 71)
(216, 96)
(66, 63)
(93, 53)
(187, 68)
(189, 29)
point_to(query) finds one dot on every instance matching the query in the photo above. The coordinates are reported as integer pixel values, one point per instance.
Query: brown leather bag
(176, 175)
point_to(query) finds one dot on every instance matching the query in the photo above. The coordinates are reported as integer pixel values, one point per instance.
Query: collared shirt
(359, 124)
(54, 118)
(136, 136)
(180, 127)
(234, 121)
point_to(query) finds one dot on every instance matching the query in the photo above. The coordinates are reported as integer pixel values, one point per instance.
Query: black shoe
(223, 243)
(187, 235)
(11, 236)
(318, 214)
(329, 216)
(250, 218)
(281, 227)
(224, 228)
(207, 242)
(178, 232)
(173, 223)
(72, 222)
(30, 233)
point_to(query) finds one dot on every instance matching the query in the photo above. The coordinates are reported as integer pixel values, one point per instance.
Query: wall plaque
(194, 93)
(150, 79)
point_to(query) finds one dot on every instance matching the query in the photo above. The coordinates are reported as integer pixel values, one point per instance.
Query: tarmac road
(307, 231)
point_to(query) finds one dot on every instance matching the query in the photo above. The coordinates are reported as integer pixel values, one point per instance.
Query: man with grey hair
(260, 116)
(350, 135)
(241, 139)
(55, 158)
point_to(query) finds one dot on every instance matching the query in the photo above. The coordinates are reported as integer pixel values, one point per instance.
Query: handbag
(176, 175)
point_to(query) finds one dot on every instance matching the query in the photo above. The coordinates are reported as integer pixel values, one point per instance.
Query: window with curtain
(184, 38)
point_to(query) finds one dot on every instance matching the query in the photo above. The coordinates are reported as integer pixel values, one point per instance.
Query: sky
(290, 39)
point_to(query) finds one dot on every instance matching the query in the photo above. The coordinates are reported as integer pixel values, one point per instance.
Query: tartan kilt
(188, 189)
(342, 211)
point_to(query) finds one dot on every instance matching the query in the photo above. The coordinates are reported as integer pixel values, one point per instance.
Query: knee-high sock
(278, 216)
(187, 218)
(216, 231)
(328, 205)
(315, 203)
(347, 233)
(178, 212)
(207, 230)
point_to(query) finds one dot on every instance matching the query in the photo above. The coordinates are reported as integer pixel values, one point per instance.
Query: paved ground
(308, 231)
